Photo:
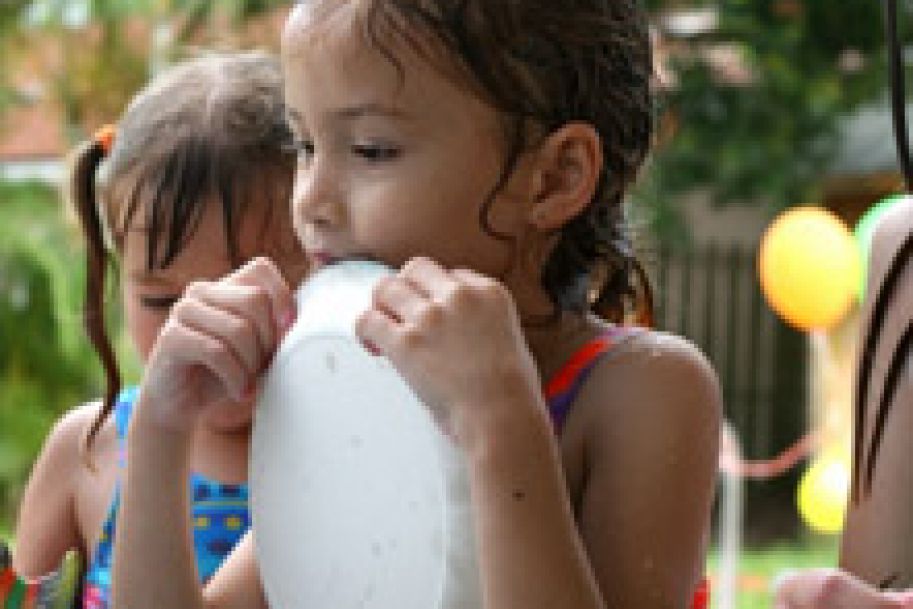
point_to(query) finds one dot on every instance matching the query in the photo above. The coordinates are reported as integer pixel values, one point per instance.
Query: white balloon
(357, 498)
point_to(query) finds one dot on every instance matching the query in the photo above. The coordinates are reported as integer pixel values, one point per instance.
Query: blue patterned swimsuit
(219, 513)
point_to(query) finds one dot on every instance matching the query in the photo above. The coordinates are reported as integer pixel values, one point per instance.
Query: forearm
(530, 553)
(154, 564)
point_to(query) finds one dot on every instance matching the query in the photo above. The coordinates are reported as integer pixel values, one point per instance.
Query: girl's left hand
(455, 337)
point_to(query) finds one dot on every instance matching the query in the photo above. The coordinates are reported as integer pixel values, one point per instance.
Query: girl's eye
(376, 152)
(158, 303)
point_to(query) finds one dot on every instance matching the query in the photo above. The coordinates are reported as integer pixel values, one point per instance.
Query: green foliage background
(46, 364)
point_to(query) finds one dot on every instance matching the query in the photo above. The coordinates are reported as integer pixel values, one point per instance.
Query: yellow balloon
(809, 267)
(823, 493)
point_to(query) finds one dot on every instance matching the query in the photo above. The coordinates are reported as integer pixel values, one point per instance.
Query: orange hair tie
(104, 137)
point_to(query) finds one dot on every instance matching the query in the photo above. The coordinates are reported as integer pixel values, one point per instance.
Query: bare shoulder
(63, 447)
(47, 524)
(656, 374)
(67, 438)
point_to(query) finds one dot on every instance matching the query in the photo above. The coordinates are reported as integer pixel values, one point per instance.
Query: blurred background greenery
(761, 106)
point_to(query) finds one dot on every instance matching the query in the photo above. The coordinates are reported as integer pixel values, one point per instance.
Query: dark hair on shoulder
(205, 130)
(542, 64)
(864, 464)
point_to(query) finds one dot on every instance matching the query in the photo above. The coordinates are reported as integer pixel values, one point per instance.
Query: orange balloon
(809, 268)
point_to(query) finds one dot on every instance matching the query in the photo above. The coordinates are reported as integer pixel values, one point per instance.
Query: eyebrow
(350, 113)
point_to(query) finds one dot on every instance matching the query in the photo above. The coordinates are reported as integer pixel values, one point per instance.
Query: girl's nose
(314, 201)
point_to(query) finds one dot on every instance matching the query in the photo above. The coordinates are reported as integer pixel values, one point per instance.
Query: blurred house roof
(33, 136)
(32, 132)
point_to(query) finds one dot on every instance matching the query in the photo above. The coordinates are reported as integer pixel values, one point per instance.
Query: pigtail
(82, 192)
(879, 312)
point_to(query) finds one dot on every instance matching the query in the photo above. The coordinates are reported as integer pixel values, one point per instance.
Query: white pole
(724, 596)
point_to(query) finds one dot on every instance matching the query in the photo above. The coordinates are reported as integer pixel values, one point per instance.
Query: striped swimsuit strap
(562, 389)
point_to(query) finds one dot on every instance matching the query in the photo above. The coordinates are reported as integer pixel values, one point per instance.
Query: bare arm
(652, 453)
(154, 563)
(154, 536)
(208, 355)
(530, 553)
(47, 525)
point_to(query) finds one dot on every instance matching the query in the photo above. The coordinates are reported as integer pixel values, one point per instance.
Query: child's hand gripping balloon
(219, 338)
(430, 322)
(56, 590)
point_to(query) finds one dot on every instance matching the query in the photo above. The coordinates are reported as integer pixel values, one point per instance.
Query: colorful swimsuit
(562, 390)
(219, 512)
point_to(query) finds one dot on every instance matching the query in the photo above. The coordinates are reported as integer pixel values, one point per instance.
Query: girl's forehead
(313, 22)
(331, 68)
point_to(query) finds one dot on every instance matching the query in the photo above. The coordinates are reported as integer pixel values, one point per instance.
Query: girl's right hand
(218, 339)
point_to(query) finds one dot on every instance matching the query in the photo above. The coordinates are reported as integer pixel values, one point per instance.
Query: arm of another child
(47, 525)
(653, 432)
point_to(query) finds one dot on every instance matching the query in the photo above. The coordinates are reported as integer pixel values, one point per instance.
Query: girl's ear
(568, 166)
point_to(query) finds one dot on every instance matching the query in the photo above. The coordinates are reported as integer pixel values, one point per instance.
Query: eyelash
(158, 303)
(372, 153)
(376, 153)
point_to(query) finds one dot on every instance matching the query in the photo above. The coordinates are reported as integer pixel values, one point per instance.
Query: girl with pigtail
(191, 185)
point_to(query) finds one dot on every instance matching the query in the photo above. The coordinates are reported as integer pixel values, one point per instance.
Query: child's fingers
(429, 278)
(401, 301)
(249, 303)
(826, 589)
(263, 273)
(197, 348)
(236, 333)
(376, 330)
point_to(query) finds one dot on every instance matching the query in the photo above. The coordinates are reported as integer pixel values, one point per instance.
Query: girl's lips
(324, 259)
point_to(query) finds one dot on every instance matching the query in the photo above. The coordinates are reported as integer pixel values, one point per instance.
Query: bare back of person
(879, 526)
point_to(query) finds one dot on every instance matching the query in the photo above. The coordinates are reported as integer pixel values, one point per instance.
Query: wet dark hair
(862, 486)
(543, 64)
(209, 129)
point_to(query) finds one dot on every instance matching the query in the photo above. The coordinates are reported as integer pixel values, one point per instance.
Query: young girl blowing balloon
(482, 149)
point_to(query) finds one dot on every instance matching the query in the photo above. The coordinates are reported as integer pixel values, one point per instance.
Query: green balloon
(865, 230)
